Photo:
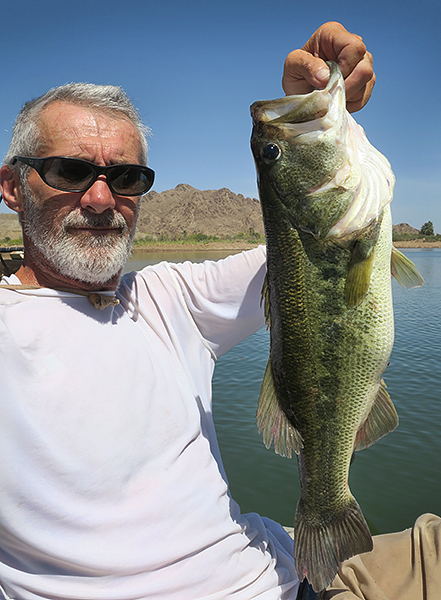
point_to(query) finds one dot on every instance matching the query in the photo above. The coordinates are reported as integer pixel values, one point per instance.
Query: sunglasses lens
(129, 180)
(77, 175)
(68, 174)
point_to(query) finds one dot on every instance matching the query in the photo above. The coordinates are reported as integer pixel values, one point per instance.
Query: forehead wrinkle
(89, 129)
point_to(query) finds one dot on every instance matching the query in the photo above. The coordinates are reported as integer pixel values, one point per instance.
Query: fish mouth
(315, 112)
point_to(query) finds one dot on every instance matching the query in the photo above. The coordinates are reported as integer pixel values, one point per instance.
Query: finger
(360, 76)
(333, 42)
(303, 72)
(359, 84)
(358, 103)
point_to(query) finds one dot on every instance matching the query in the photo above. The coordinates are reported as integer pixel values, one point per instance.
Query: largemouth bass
(325, 194)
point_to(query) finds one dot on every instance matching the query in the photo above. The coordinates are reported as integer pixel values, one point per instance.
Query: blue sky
(193, 69)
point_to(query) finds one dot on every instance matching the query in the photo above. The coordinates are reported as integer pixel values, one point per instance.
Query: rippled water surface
(395, 480)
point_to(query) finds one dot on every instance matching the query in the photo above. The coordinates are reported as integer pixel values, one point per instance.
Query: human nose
(98, 197)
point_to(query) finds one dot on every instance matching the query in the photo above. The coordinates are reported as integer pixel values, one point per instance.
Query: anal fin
(381, 420)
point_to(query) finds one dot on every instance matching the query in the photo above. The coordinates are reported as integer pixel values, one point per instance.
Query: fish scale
(325, 194)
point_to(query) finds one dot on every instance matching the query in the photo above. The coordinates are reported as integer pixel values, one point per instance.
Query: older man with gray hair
(91, 243)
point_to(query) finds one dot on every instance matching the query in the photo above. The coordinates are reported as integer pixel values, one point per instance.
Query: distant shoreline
(241, 245)
(417, 244)
(197, 246)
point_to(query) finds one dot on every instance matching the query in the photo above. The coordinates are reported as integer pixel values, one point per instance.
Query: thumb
(303, 72)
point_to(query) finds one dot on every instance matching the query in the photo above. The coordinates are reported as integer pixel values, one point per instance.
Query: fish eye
(271, 152)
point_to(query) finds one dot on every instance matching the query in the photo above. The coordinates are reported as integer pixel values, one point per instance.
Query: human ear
(11, 189)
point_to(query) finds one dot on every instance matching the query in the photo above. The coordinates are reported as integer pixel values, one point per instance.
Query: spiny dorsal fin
(404, 271)
(381, 420)
(272, 422)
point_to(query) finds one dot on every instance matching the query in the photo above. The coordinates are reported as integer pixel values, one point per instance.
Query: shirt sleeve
(224, 297)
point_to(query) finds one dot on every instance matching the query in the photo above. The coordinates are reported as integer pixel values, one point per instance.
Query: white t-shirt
(111, 481)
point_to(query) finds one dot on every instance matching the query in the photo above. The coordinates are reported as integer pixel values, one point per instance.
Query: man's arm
(306, 69)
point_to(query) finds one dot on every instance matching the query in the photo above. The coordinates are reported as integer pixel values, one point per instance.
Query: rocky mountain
(404, 228)
(187, 209)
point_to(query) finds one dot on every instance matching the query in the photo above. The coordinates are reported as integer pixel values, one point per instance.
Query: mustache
(107, 219)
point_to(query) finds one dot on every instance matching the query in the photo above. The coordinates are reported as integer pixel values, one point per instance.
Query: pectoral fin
(404, 271)
(272, 422)
(381, 420)
(359, 274)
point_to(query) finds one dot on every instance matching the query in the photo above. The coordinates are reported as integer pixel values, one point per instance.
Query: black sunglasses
(77, 175)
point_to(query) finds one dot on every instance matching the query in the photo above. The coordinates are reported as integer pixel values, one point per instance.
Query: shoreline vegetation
(239, 242)
(251, 239)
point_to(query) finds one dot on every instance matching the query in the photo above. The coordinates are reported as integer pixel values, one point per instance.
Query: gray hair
(26, 138)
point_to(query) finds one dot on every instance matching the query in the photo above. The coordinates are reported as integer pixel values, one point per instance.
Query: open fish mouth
(318, 111)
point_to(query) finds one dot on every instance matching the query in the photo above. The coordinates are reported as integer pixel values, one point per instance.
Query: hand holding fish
(305, 69)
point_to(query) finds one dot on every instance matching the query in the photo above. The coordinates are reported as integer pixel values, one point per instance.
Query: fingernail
(322, 75)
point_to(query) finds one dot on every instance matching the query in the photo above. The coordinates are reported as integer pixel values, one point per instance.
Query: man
(112, 481)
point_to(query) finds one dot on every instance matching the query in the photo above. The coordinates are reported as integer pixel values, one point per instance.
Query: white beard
(82, 257)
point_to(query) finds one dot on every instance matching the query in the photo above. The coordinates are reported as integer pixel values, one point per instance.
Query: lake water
(395, 480)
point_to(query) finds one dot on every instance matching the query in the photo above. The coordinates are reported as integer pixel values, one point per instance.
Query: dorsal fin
(265, 298)
(272, 422)
(404, 271)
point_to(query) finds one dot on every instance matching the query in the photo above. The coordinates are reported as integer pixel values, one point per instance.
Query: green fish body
(325, 194)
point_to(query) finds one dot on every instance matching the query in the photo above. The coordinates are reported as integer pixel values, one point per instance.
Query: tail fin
(321, 544)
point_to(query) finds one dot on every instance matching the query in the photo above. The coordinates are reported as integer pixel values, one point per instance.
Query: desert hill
(404, 228)
(187, 209)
